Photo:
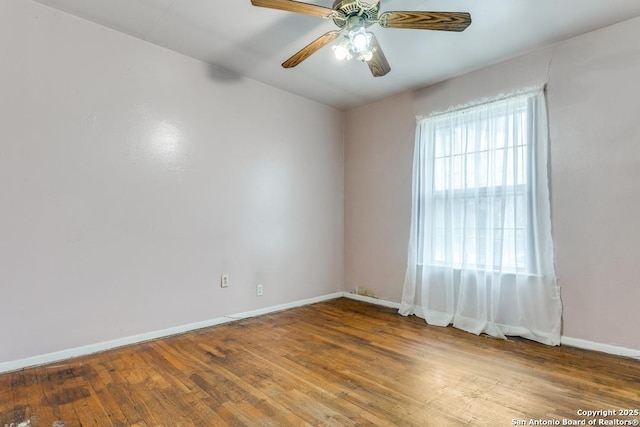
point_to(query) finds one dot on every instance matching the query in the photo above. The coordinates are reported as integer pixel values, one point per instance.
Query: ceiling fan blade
(295, 6)
(442, 21)
(311, 48)
(378, 64)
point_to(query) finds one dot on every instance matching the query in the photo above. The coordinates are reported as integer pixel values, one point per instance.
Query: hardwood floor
(338, 363)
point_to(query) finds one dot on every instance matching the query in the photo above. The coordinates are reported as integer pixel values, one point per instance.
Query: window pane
(439, 181)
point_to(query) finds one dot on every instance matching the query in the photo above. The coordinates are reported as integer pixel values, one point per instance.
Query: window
(478, 188)
(480, 252)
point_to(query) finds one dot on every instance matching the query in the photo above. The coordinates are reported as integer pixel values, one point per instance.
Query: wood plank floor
(337, 363)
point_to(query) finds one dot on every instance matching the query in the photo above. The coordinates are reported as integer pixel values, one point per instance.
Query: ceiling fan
(352, 18)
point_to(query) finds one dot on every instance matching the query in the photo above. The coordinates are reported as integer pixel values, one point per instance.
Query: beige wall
(132, 177)
(378, 156)
(593, 94)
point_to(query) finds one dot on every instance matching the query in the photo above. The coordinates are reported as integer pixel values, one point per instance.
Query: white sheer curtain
(480, 249)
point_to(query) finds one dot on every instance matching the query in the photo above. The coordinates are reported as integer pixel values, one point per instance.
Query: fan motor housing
(347, 8)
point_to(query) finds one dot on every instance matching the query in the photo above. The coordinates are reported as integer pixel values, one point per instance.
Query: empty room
(321, 213)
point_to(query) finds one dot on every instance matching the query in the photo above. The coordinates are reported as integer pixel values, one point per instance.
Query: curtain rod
(483, 101)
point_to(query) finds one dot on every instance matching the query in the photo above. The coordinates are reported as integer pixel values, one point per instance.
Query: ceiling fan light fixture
(355, 43)
(341, 51)
(360, 39)
(366, 56)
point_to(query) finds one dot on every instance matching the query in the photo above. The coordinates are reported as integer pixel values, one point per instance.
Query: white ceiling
(237, 38)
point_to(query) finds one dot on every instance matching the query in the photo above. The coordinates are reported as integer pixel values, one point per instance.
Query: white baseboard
(371, 300)
(135, 339)
(286, 306)
(120, 342)
(603, 348)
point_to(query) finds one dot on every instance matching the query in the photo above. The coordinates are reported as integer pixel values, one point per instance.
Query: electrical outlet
(259, 290)
(224, 281)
